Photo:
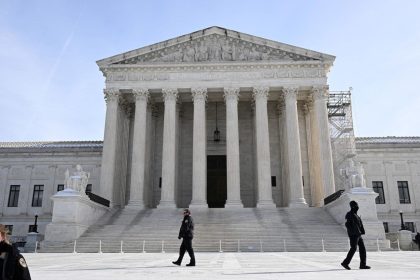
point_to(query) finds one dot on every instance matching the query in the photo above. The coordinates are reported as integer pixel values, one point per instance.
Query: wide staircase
(216, 230)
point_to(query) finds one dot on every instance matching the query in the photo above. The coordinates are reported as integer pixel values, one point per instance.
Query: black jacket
(8, 263)
(14, 266)
(354, 224)
(187, 228)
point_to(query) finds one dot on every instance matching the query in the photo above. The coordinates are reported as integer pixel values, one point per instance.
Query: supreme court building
(217, 118)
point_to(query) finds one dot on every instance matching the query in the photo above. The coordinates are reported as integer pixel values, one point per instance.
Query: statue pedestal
(365, 197)
(405, 238)
(72, 215)
(32, 240)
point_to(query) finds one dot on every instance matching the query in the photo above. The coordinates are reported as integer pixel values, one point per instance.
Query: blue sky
(51, 88)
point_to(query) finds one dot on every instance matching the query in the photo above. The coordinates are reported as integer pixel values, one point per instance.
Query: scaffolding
(342, 134)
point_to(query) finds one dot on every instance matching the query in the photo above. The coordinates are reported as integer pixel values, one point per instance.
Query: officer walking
(355, 231)
(186, 232)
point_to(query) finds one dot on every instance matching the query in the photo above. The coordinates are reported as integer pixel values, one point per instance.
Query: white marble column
(138, 164)
(296, 197)
(167, 199)
(283, 154)
(109, 153)
(231, 96)
(317, 189)
(265, 196)
(320, 96)
(199, 180)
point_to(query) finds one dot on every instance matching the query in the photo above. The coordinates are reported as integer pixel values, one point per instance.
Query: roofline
(214, 30)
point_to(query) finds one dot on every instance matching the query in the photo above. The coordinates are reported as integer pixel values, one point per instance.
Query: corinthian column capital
(260, 92)
(231, 93)
(199, 94)
(111, 94)
(141, 94)
(170, 94)
(320, 92)
(290, 93)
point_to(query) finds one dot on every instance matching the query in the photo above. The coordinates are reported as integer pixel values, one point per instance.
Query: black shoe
(190, 264)
(365, 267)
(176, 263)
(346, 266)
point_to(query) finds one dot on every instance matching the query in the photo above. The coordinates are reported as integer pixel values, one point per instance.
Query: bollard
(323, 245)
(74, 247)
(377, 244)
(220, 246)
(36, 246)
(163, 246)
(144, 244)
(261, 246)
(398, 244)
(284, 245)
(100, 246)
(121, 251)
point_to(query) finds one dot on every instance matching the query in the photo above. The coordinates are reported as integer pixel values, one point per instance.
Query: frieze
(265, 74)
(215, 48)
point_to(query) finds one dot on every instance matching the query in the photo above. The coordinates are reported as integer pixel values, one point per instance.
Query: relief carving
(214, 48)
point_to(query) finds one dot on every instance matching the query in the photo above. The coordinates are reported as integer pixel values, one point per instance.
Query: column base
(198, 205)
(300, 203)
(135, 205)
(234, 204)
(266, 204)
(166, 205)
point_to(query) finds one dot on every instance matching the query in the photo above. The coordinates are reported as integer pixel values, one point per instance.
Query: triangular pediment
(215, 44)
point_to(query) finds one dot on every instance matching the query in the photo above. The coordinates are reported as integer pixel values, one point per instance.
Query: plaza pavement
(215, 266)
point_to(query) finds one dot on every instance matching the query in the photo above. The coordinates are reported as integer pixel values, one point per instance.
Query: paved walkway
(232, 266)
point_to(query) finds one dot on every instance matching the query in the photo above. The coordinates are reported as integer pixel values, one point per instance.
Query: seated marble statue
(354, 175)
(78, 181)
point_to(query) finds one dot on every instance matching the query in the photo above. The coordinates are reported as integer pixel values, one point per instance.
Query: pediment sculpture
(213, 48)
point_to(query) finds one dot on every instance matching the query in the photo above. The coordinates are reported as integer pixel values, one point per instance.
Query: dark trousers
(354, 242)
(186, 246)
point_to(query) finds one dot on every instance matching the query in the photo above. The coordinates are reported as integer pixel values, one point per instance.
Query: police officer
(355, 230)
(12, 264)
(186, 232)
(7, 268)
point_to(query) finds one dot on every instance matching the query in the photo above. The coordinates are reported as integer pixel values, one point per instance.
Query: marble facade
(177, 79)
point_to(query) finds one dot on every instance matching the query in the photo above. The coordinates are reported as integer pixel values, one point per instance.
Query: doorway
(216, 181)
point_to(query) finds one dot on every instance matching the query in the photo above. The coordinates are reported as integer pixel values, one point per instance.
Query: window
(60, 188)
(378, 187)
(410, 226)
(37, 196)
(273, 181)
(386, 228)
(9, 228)
(88, 188)
(404, 192)
(13, 196)
(160, 182)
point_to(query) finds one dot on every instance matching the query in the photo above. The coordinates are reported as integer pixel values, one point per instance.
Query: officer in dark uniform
(12, 264)
(186, 232)
(355, 231)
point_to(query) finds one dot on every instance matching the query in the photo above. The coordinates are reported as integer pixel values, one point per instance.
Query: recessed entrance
(216, 181)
